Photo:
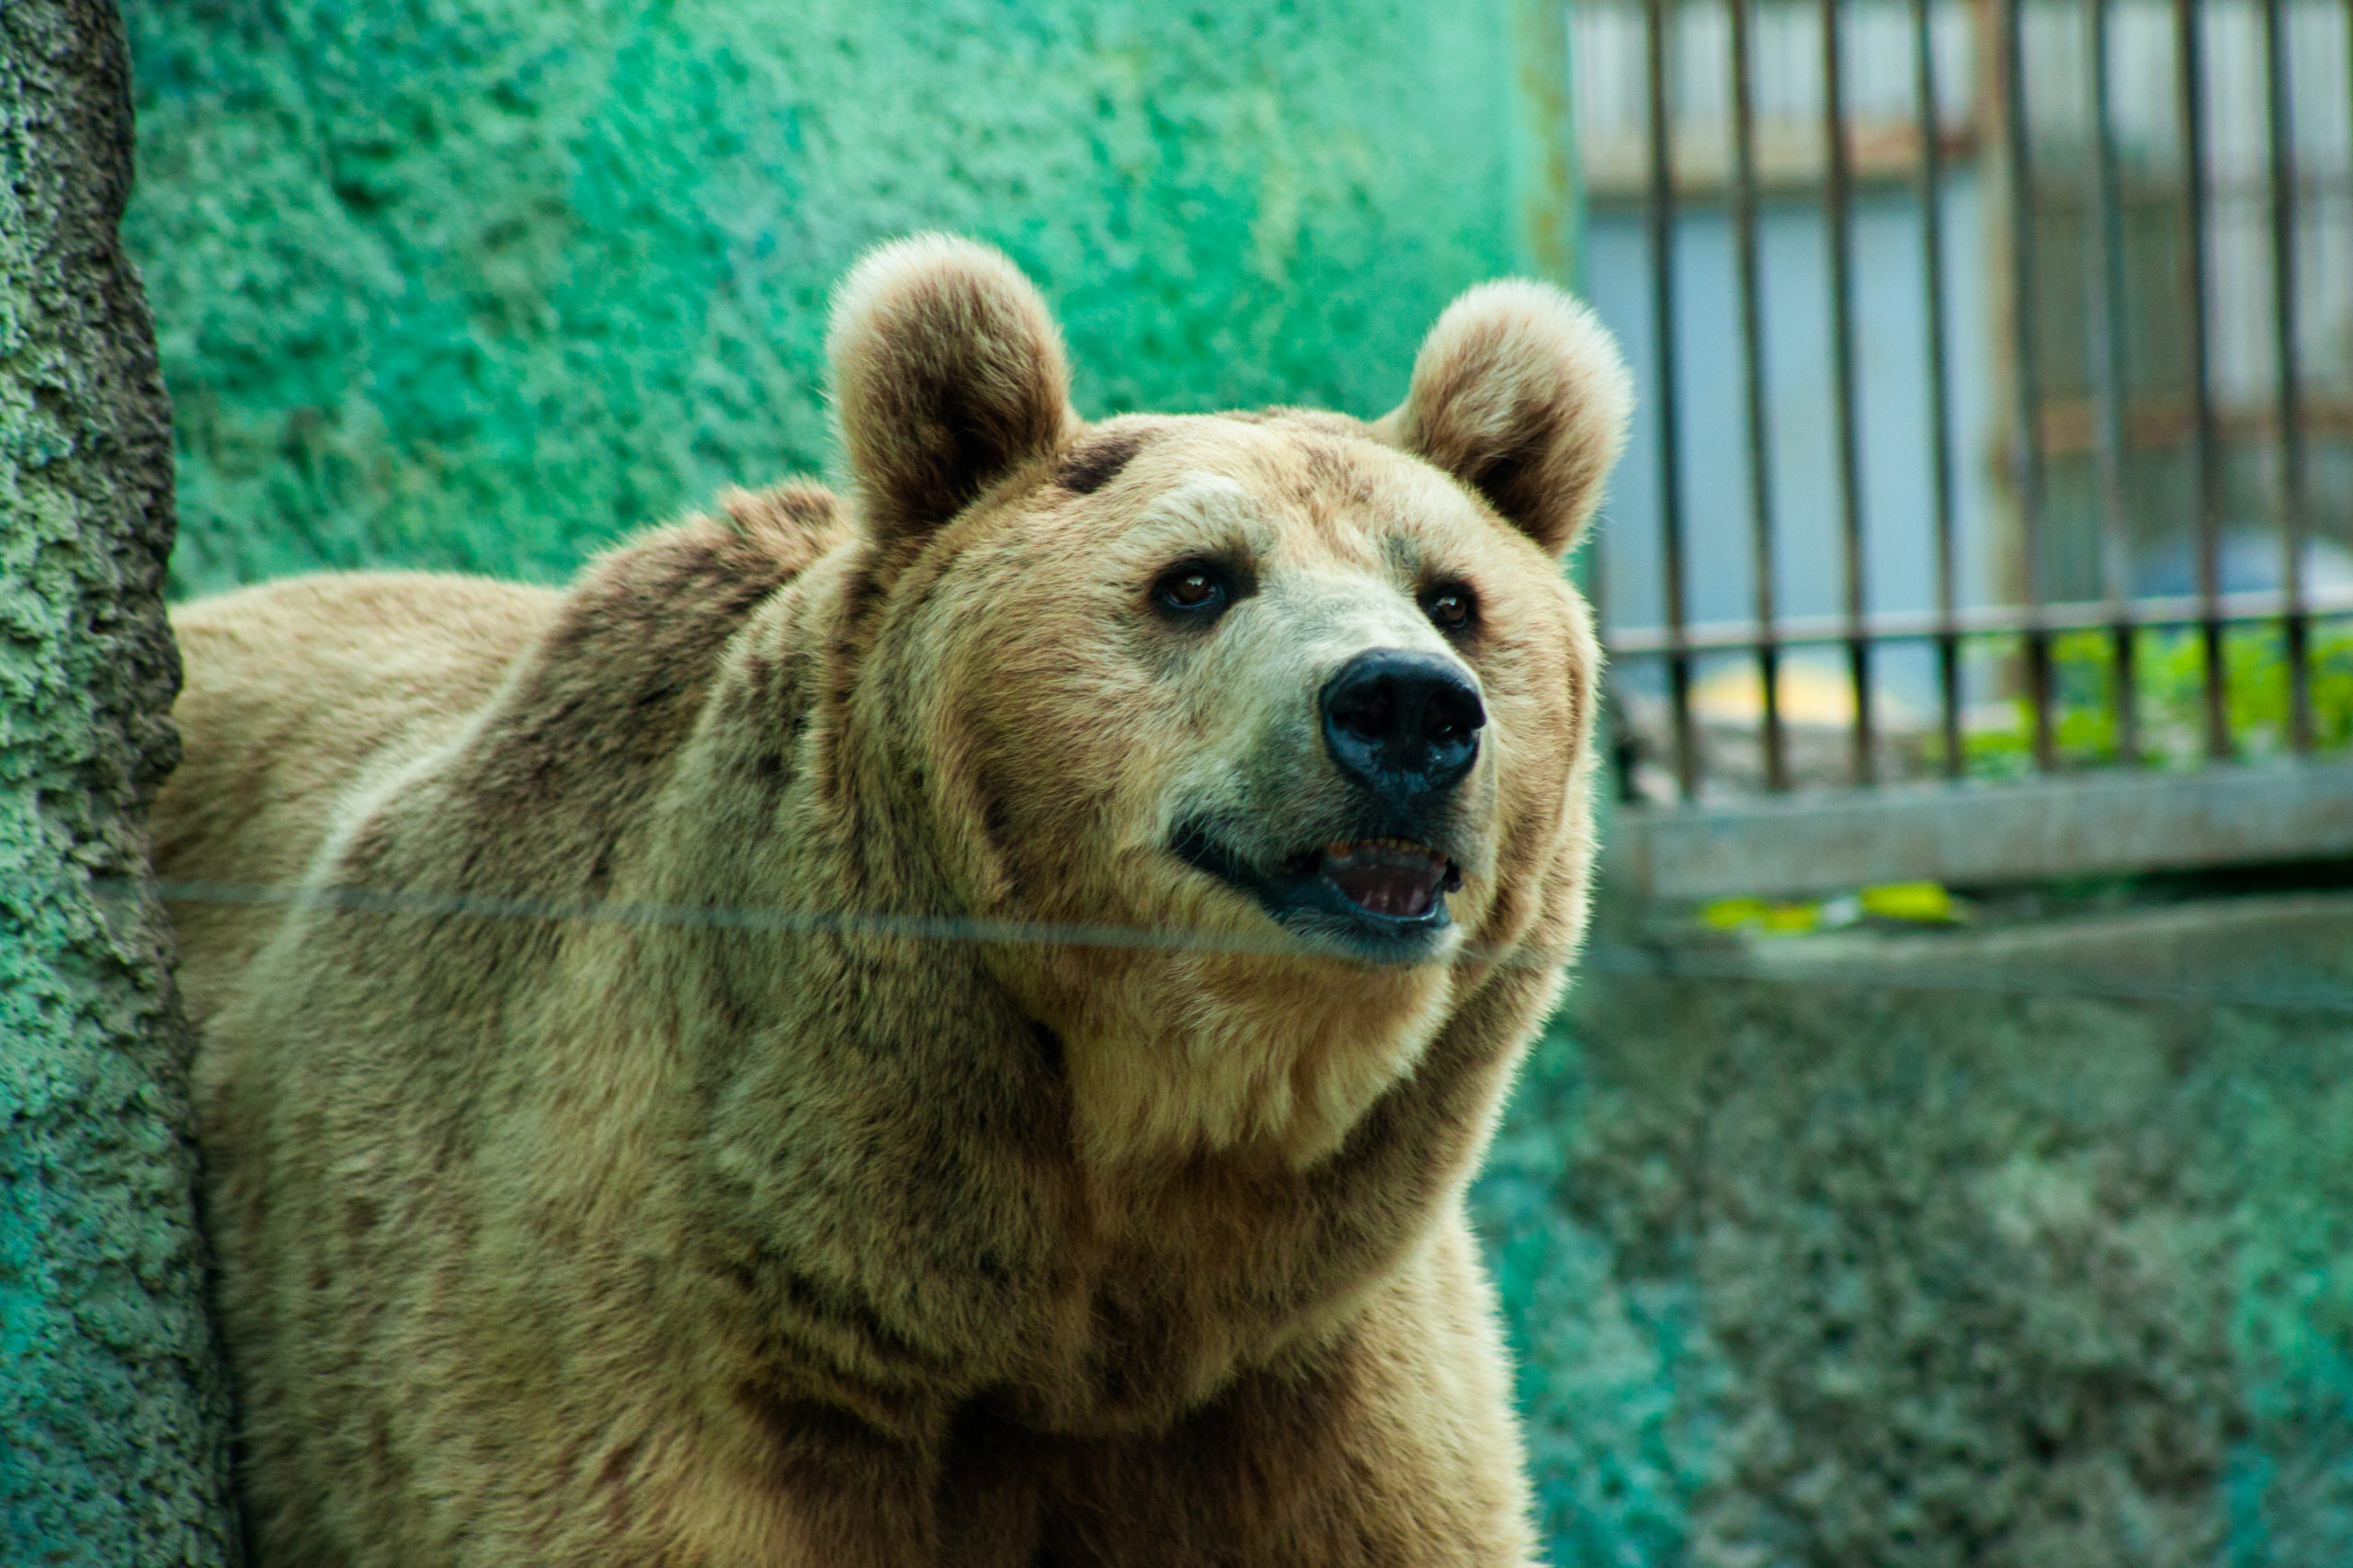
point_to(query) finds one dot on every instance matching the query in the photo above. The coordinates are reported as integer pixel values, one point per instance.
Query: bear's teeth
(1391, 877)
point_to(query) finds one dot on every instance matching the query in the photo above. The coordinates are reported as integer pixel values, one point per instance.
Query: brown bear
(943, 1026)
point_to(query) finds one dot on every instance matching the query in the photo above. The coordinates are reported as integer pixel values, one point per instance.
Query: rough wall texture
(481, 282)
(1952, 1267)
(112, 1419)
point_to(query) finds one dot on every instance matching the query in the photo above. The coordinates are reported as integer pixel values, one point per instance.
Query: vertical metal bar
(2109, 370)
(1660, 194)
(1625, 742)
(1836, 199)
(1625, 745)
(2028, 413)
(2294, 520)
(1751, 348)
(2190, 85)
(1932, 245)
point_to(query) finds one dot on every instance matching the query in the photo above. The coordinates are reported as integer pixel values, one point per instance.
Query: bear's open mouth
(1385, 895)
(1393, 877)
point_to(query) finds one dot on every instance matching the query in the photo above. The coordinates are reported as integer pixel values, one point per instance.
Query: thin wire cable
(791, 922)
(1774, 963)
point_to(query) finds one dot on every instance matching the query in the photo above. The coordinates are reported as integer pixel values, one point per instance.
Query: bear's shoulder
(650, 614)
(600, 706)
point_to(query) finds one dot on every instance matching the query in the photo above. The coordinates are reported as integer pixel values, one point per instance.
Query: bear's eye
(1193, 589)
(1451, 609)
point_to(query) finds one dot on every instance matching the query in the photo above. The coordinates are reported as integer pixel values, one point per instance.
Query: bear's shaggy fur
(779, 1060)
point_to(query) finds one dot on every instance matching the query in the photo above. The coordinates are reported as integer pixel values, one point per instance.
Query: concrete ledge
(1980, 834)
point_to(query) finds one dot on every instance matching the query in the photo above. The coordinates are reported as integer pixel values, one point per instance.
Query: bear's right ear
(948, 374)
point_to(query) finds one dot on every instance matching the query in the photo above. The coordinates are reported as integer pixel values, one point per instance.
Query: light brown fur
(587, 1230)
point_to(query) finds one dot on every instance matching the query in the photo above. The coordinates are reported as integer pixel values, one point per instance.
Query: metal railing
(2156, 423)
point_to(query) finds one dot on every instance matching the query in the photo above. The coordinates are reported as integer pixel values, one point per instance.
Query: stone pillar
(113, 1411)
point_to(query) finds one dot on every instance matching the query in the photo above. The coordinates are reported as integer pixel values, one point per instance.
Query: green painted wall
(2003, 1249)
(480, 283)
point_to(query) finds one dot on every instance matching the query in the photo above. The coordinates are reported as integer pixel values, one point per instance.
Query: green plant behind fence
(2170, 692)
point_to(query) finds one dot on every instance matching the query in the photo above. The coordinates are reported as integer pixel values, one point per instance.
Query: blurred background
(1946, 1156)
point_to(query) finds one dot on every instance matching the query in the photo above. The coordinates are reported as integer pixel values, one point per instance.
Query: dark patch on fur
(759, 676)
(1506, 478)
(615, 1468)
(848, 1315)
(1049, 1046)
(380, 1445)
(1095, 462)
(996, 826)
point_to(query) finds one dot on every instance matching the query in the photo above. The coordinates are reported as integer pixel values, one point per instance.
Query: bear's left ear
(1519, 393)
(948, 374)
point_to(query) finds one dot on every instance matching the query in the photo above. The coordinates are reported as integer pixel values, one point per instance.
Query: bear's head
(1255, 743)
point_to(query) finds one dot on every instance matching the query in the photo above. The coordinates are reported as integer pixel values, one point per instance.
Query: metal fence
(2054, 546)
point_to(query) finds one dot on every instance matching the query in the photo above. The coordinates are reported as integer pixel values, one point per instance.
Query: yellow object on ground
(1926, 904)
(1925, 901)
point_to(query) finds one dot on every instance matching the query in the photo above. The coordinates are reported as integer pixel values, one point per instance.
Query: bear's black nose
(1402, 723)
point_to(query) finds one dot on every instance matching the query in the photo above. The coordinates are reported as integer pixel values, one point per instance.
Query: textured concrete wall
(2005, 1248)
(481, 282)
(113, 1420)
